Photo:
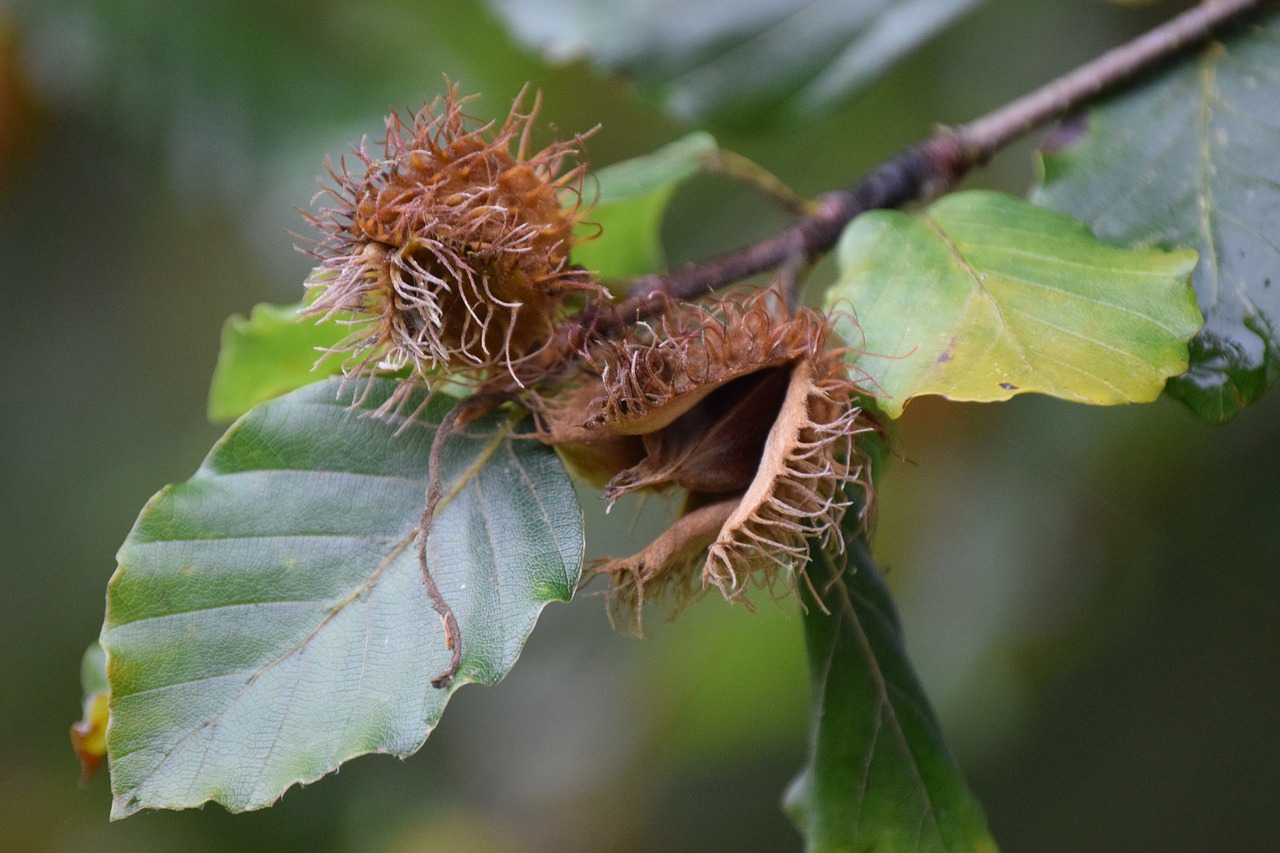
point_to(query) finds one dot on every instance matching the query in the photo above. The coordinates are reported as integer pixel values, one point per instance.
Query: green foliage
(734, 62)
(89, 734)
(268, 354)
(879, 775)
(984, 296)
(1191, 159)
(93, 670)
(625, 223)
(268, 619)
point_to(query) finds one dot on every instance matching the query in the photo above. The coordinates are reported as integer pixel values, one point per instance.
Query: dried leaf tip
(450, 251)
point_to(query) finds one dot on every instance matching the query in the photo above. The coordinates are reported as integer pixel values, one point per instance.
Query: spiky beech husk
(750, 412)
(451, 250)
(654, 374)
(592, 455)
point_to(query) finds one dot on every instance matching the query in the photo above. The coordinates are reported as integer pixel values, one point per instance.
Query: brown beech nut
(715, 446)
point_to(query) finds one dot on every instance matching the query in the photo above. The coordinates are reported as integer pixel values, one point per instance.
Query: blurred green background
(1090, 594)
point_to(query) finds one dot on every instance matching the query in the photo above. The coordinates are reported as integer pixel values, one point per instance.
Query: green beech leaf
(633, 197)
(984, 296)
(271, 352)
(1193, 158)
(879, 776)
(268, 619)
(93, 670)
(735, 61)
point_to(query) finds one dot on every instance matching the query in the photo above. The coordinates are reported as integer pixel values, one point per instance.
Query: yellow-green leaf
(269, 353)
(626, 220)
(983, 296)
(89, 733)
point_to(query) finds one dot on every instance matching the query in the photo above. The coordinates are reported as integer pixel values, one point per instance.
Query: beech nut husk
(752, 414)
(450, 251)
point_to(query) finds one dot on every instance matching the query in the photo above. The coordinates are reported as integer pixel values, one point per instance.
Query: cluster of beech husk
(450, 257)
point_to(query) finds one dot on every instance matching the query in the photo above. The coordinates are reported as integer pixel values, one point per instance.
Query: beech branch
(928, 168)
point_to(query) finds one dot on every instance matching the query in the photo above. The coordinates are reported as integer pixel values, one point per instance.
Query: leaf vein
(546, 515)
(978, 291)
(213, 721)
(882, 688)
(1204, 172)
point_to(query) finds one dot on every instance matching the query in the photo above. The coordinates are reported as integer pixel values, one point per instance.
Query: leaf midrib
(883, 706)
(979, 291)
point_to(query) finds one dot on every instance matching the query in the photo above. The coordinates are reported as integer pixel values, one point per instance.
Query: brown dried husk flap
(800, 491)
(593, 455)
(759, 535)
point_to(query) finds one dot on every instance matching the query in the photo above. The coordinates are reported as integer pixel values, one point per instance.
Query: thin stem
(748, 171)
(465, 411)
(930, 167)
(987, 135)
(452, 633)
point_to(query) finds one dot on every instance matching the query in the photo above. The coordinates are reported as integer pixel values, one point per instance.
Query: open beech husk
(451, 250)
(592, 455)
(751, 414)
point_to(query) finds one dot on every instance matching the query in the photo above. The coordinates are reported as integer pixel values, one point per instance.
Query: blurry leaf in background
(272, 352)
(983, 296)
(236, 101)
(731, 61)
(269, 620)
(879, 775)
(89, 735)
(248, 71)
(1193, 159)
(633, 197)
(701, 696)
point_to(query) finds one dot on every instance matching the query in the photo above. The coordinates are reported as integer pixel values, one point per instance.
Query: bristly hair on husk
(450, 252)
(692, 350)
(755, 415)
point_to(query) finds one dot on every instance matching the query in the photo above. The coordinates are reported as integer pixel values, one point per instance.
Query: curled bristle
(665, 572)
(810, 473)
(451, 250)
(695, 349)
